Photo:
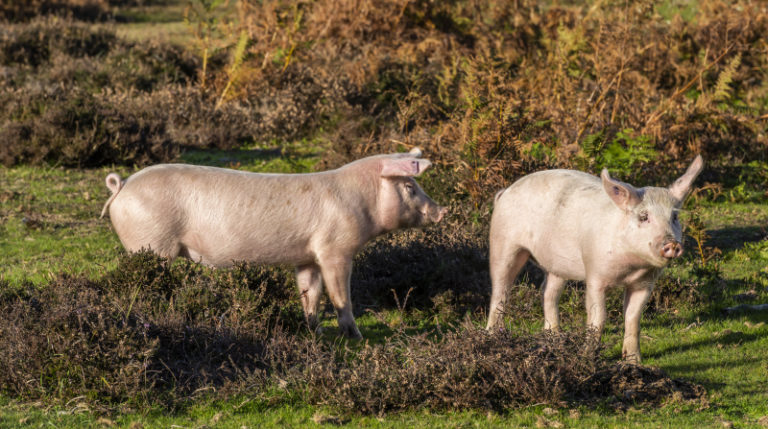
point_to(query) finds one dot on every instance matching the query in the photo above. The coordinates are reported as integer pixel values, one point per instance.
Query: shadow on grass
(725, 338)
(697, 367)
(727, 239)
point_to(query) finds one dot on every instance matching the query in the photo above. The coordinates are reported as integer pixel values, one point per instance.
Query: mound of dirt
(644, 384)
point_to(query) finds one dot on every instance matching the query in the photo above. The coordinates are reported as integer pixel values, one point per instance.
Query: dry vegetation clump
(77, 128)
(81, 10)
(630, 383)
(77, 95)
(56, 51)
(440, 270)
(151, 332)
(496, 90)
(23, 10)
(479, 369)
(470, 369)
(146, 332)
(33, 44)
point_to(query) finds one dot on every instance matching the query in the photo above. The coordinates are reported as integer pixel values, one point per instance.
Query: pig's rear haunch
(580, 227)
(315, 221)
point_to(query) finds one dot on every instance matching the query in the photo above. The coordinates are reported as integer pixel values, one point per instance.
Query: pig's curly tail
(115, 184)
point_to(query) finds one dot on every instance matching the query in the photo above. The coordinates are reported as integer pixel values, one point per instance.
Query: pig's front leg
(336, 272)
(310, 288)
(595, 302)
(635, 298)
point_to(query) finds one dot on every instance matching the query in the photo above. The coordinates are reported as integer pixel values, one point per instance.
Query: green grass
(288, 158)
(158, 22)
(50, 223)
(723, 352)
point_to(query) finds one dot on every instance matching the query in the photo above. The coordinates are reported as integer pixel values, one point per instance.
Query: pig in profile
(580, 227)
(315, 221)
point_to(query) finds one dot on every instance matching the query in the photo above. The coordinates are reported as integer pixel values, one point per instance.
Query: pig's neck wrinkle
(623, 261)
(629, 268)
(363, 184)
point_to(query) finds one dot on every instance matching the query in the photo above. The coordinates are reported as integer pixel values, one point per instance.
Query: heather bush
(478, 369)
(151, 332)
(87, 10)
(77, 128)
(147, 332)
(440, 270)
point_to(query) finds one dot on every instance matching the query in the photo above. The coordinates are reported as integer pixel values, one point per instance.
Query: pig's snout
(433, 213)
(671, 250)
(437, 214)
(440, 213)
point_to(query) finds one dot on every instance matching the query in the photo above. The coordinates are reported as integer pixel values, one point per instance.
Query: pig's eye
(409, 187)
(643, 217)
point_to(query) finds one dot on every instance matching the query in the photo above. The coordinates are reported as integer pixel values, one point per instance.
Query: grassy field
(51, 225)
(490, 91)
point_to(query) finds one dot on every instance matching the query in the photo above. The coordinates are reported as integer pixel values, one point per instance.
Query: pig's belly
(561, 262)
(268, 249)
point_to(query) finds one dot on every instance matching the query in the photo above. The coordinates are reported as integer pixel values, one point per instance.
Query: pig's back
(223, 215)
(551, 214)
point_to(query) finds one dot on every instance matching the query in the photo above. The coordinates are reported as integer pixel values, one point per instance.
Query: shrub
(88, 10)
(495, 91)
(148, 332)
(161, 333)
(481, 370)
(82, 130)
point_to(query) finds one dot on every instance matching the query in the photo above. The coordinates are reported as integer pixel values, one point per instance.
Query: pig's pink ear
(624, 195)
(403, 166)
(682, 186)
(413, 153)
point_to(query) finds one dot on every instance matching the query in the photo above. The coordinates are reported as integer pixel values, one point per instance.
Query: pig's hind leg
(336, 276)
(310, 284)
(506, 262)
(142, 227)
(160, 244)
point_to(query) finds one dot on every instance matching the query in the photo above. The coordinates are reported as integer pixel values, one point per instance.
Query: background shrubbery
(490, 90)
(496, 90)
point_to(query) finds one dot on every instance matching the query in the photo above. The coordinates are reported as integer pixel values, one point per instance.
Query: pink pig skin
(315, 221)
(581, 227)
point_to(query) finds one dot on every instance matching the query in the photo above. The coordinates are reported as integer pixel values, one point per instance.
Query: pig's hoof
(351, 332)
(633, 358)
(313, 322)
